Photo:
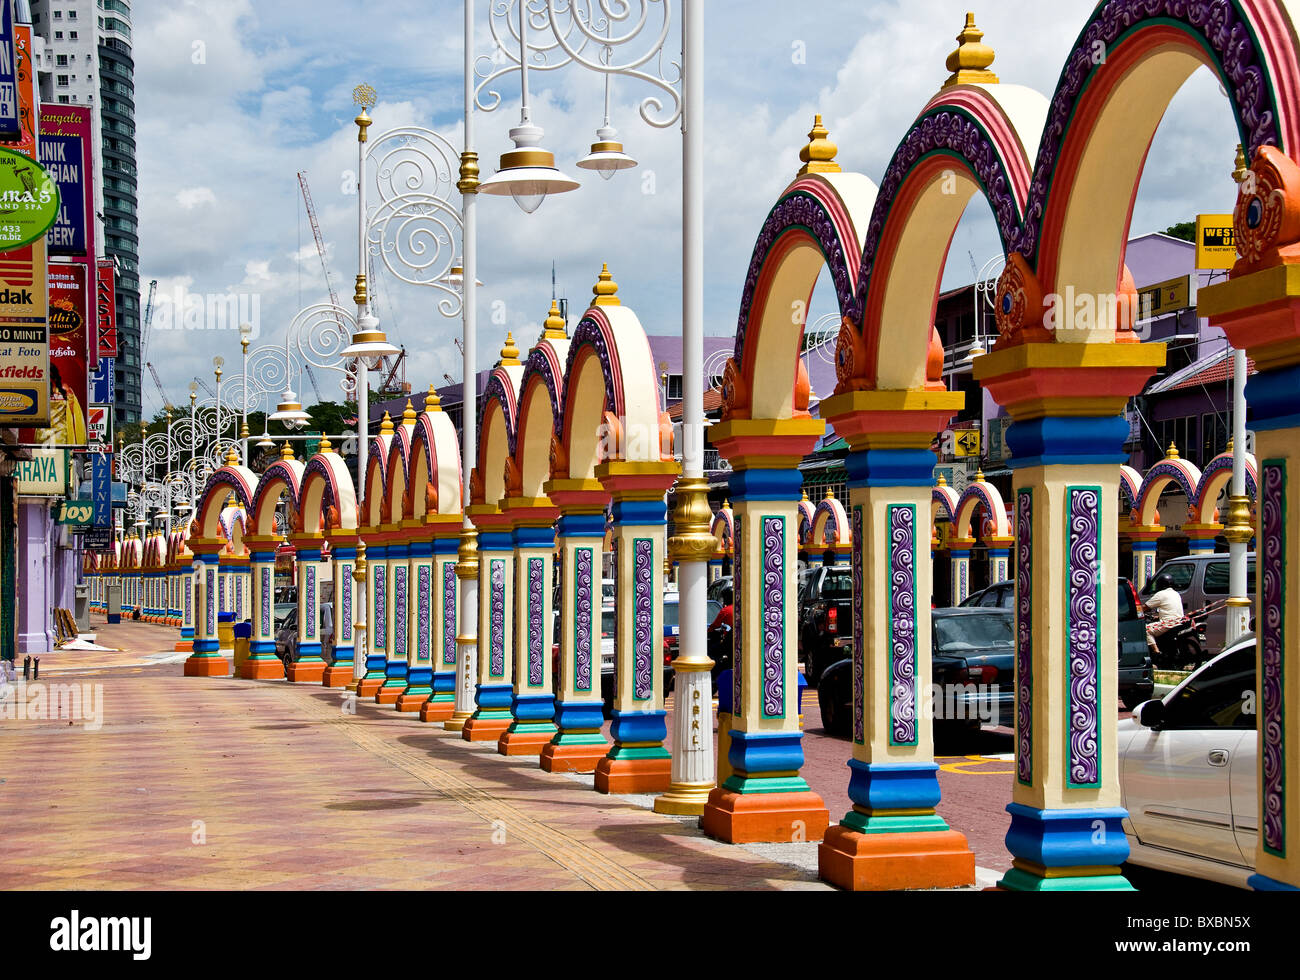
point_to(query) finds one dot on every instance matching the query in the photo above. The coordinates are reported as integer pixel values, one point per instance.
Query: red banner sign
(106, 308)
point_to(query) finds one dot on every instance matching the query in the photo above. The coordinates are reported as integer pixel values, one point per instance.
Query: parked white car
(1188, 775)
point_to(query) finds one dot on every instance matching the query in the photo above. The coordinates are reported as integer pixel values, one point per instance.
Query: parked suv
(1201, 580)
(1136, 680)
(825, 614)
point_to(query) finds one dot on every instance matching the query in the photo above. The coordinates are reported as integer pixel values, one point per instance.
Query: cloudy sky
(234, 97)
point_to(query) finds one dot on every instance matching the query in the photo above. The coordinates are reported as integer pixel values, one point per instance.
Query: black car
(825, 616)
(972, 674)
(1136, 680)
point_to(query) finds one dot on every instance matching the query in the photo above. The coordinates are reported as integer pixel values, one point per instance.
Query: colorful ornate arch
(229, 479)
(435, 467)
(979, 493)
(1214, 479)
(376, 499)
(1180, 472)
(498, 413)
(541, 387)
(830, 522)
(284, 476)
(328, 492)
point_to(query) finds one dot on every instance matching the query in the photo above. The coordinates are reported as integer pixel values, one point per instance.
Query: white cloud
(191, 197)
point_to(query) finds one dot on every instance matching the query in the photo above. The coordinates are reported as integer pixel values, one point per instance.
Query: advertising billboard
(106, 309)
(10, 127)
(69, 330)
(65, 155)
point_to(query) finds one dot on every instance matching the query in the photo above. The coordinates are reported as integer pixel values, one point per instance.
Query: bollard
(27, 667)
(36, 669)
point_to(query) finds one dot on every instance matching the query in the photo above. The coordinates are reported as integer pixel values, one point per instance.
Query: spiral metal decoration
(417, 237)
(613, 37)
(320, 333)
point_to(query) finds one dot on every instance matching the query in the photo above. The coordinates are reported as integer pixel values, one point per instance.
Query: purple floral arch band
(499, 389)
(595, 332)
(543, 364)
(1221, 29)
(800, 211)
(1215, 468)
(1186, 476)
(225, 480)
(278, 472)
(423, 436)
(317, 469)
(954, 132)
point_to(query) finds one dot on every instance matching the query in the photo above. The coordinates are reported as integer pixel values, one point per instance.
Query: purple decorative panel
(773, 606)
(400, 610)
(209, 595)
(738, 621)
(1024, 637)
(901, 521)
(381, 607)
(343, 621)
(1083, 604)
(859, 662)
(239, 594)
(497, 618)
(423, 586)
(189, 592)
(268, 622)
(449, 614)
(642, 618)
(582, 560)
(221, 590)
(536, 621)
(309, 612)
(1273, 561)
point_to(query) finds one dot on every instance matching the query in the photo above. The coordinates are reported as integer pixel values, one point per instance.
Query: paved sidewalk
(196, 783)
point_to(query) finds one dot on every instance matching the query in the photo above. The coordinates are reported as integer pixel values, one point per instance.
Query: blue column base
(493, 700)
(261, 646)
(376, 664)
(344, 655)
(893, 798)
(419, 677)
(580, 717)
(1066, 850)
(394, 673)
(763, 761)
(444, 682)
(204, 646)
(308, 651)
(533, 707)
(1263, 883)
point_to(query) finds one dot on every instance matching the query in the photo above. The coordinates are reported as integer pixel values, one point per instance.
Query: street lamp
(245, 335)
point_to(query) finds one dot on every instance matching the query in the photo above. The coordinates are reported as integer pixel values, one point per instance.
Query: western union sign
(1215, 246)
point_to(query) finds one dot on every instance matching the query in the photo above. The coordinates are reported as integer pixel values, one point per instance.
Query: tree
(1186, 230)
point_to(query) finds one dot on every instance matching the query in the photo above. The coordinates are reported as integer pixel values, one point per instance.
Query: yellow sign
(1216, 247)
(1165, 297)
(966, 442)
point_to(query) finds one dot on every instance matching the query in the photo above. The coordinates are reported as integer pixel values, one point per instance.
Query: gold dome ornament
(386, 426)
(432, 403)
(408, 415)
(553, 328)
(232, 457)
(286, 451)
(819, 155)
(969, 64)
(325, 446)
(1171, 452)
(509, 352)
(606, 289)
(364, 97)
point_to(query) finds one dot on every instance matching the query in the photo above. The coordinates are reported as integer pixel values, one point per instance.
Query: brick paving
(194, 783)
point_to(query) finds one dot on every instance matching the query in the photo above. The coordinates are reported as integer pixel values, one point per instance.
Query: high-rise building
(84, 58)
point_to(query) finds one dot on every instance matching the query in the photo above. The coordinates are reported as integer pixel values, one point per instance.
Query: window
(58, 15)
(60, 79)
(674, 387)
(1180, 572)
(63, 99)
(1217, 574)
(1218, 696)
(72, 15)
(61, 60)
(72, 35)
(58, 35)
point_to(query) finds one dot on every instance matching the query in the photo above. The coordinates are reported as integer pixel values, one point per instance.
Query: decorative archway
(376, 532)
(327, 499)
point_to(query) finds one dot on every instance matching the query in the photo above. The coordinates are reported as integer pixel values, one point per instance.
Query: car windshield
(990, 628)
(838, 584)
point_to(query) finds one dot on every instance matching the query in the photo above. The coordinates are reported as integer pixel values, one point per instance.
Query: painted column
(442, 615)
(1000, 559)
(262, 662)
(206, 661)
(892, 838)
(467, 631)
(959, 553)
(419, 644)
(309, 667)
(765, 798)
(343, 562)
(376, 617)
(532, 704)
(397, 611)
(1145, 540)
(638, 761)
(578, 745)
(496, 587)
(1200, 538)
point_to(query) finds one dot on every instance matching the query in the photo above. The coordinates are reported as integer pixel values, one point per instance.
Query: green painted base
(579, 738)
(893, 824)
(639, 752)
(772, 784)
(532, 728)
(1017, 880)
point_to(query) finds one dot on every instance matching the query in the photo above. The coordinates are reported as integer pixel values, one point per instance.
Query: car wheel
(812, 670)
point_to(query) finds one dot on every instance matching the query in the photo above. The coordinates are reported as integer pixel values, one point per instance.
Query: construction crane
(315, 230)
(144, 336)
(167, 402)
(312, 375)
(388, 381)
(205, 386)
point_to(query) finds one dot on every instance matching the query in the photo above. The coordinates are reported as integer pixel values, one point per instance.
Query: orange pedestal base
(572, 758)
(184, 646)
(433, 710)
(764, 818)
(262, 670)
(411, 702)
(207, 667)
(337, 676)
(388, 695)
(523, 743)
(367, 686)
(310, 672)
(634, 775)
(888, 862)
(484, 729)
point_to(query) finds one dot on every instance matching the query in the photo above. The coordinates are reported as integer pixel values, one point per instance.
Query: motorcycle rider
(1165, 604)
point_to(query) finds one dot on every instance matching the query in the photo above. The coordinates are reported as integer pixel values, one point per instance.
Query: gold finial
(325, 445)
(819, 155)
(1243, 166)
(942, 481)
(408, 416)
(726, 504)
(386, 426)
(286, 451)
(830, 494)
(432, 403)
(243, 430)
(1229, 450)
(1171, 452)
(365, 97)
(553, 328)
(509, 352)
(468, 183)
(359, 293)
(979, 476)
(970, 62)
(232, 457)
(606, 289)
(168, 412)
(805, 493)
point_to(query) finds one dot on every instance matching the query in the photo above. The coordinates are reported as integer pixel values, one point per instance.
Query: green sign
(29, 200)
(76, 512)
